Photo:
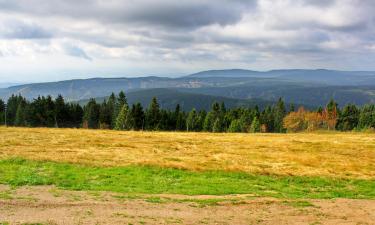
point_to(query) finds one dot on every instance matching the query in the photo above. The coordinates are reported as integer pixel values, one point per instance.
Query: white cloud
(125, 36)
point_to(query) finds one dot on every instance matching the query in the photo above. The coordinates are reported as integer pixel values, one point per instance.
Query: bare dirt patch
(49, 205)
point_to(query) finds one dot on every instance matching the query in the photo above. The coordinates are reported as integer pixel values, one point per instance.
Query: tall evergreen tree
(91, 114)
(75, 115)
(279, 114)
(119, 103)
(122, 121)
(137, 117)
(255, 126)
(153, 115)
(180, 119)
(235, 126)
(349, 117)
(62, 114)
(192, 121)
(12, 106)
(209, 122)
(2, 112)
(367, 117)
(20, 119)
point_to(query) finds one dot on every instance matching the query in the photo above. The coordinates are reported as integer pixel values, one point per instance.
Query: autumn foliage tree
(304, 120)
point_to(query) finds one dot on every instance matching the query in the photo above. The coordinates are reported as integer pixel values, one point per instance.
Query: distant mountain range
(169, 98)
(308, 87)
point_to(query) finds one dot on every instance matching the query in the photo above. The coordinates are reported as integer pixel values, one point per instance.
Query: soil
(49, 205)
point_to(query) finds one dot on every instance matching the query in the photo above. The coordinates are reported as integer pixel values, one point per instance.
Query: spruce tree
(2, 112)
(209, 122)
(348, 118)
(62, 114)
(137, 117)
(192, 121)
(217, 126)
(119, 103)
(153, 115)
(91, 114)
(235, 126)
(20, 116)
(278, 116)
(122, 121)
(255, 126)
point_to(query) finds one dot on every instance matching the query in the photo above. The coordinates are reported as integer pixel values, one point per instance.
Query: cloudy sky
(48, 40)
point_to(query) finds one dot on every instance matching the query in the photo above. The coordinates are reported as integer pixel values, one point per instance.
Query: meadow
(326, 154)
(315, 177)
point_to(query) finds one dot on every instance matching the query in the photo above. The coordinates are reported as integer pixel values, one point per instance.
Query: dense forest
(115, 113)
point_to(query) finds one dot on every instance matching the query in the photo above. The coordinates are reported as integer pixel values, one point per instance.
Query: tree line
(116, 113)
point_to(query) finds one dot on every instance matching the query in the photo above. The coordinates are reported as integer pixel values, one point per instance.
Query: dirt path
(48, 205)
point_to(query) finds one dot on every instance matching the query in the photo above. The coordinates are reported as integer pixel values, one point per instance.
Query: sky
(65, 39)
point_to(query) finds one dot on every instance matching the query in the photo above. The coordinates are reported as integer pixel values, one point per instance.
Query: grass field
(319, 165)
(110, 177)
(336, 155)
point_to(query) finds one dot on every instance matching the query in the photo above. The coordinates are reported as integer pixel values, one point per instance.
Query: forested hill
(169, 98)
(309, 87)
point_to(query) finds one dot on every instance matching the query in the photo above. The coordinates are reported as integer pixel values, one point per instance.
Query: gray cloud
(166, 13)
(14, 29)
(189, 33)
(77, 52)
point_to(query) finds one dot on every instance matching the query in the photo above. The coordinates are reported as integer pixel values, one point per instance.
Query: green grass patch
(154, 180)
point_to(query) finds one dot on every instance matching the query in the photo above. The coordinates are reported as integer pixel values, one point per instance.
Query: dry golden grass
(350, 155)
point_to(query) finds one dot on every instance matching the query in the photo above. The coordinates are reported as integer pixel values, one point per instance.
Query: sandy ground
(49, 205)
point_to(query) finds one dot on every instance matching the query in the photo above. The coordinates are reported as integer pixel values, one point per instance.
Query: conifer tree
(119, 103)
(137, 117)
(20, 115)
(2, 112)
(122, 121)
(91, 114)
(217, 126)
(279, 114)
(192, 121)
(255, 126)
(348, 118)
(235, 126)
(153, 115)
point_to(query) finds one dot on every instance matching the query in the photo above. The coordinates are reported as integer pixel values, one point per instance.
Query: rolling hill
(309, 87)
(169, 98)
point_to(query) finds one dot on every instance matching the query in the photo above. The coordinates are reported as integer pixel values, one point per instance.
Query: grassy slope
(318, 165)
(337, 155)
(154, 180)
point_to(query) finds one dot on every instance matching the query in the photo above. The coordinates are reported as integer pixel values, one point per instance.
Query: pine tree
(62, 114)
(209, 122)
(20, 116)
(122, 121)
(178, 119)
(12, 106)
(137, 117)
(217, 126)
(2, 112)
(255, 126)
(235, 126)
(192, 121)
(119, 103)
(367, 117)
(91, 114)
(153, 115)
(278, 116)
(111, 105)
(348, 118)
